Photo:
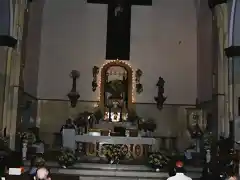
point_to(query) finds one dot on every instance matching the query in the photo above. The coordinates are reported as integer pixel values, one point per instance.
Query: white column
(221, 15)
(13, 72)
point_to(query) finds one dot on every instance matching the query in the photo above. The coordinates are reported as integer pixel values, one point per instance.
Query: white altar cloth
(68, 138)
(115, 139)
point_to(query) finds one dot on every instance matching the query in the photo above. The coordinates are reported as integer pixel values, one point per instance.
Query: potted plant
(39, 161)
(114, 153)
(158, 160)
(66, 158)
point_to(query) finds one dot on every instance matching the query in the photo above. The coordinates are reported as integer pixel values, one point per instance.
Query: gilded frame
(130, 83)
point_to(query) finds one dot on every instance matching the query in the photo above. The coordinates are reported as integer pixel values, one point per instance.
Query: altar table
(115, 139)
(138, 146)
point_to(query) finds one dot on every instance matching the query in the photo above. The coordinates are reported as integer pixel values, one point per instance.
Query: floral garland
(157, 160)
(114, 152)
(66, 157)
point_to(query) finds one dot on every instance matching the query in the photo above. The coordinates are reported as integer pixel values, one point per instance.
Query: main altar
(113, 120)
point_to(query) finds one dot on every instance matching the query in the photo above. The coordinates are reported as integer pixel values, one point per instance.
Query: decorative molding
(213, 3)
(232, 51)
(9, 41)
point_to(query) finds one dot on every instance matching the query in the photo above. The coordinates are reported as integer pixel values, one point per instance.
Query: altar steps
(93, 171)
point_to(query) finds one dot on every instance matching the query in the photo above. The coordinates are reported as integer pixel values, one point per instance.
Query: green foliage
(115, 87)
(158, 160)
(98, 114)
(66, 157)
(115, 152)
(38, 161)
(208, 139)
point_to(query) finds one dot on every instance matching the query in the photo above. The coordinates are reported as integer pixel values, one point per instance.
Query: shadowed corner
(9, 41)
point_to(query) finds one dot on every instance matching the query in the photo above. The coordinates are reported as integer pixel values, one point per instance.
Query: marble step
(94, 170)
(120, 167)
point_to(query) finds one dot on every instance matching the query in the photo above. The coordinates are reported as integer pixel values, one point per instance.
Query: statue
(73, 95)
(118, 10)
(160, 99)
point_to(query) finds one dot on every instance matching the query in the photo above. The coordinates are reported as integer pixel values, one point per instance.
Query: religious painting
(116, 83)
(116, 90)
(195, 117)
(196, 122)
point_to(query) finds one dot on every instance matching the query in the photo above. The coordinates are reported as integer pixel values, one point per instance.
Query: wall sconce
(139, 86)
(95, 71)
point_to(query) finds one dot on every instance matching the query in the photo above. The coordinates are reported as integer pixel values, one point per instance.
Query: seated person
(180, 172)
(42, 174)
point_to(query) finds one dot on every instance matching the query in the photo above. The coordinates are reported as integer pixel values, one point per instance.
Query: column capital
(232, 51)
(213, 3)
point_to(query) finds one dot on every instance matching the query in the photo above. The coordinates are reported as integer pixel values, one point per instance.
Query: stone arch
(129, 70)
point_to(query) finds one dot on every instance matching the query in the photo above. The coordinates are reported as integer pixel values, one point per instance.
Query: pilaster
(220, 13)
(12, 75)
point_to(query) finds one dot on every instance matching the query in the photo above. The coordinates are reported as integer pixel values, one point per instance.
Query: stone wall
(163, 43)
(3, 59)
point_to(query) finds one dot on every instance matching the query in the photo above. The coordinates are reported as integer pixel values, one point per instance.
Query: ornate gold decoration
(91, 149)
(137, 151)
(130, 78)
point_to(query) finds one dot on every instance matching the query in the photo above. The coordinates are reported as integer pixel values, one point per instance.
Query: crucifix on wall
(119, 26)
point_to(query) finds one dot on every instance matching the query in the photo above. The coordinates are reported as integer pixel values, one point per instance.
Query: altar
(138, 146)
(114, 120)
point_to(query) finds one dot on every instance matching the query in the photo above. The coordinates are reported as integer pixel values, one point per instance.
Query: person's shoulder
(188, 178)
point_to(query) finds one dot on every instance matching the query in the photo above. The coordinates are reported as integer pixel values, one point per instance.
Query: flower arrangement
(157, 160)
(28, 137)
(38, 161)
(114, 152)
(66, 157)
(208, 140)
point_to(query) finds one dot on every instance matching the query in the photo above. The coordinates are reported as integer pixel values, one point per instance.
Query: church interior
(150, 75)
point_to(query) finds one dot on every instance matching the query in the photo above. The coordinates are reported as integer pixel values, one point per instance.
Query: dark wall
(4, 17)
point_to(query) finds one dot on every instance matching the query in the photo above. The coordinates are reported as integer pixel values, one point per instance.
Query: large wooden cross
(119, 26)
